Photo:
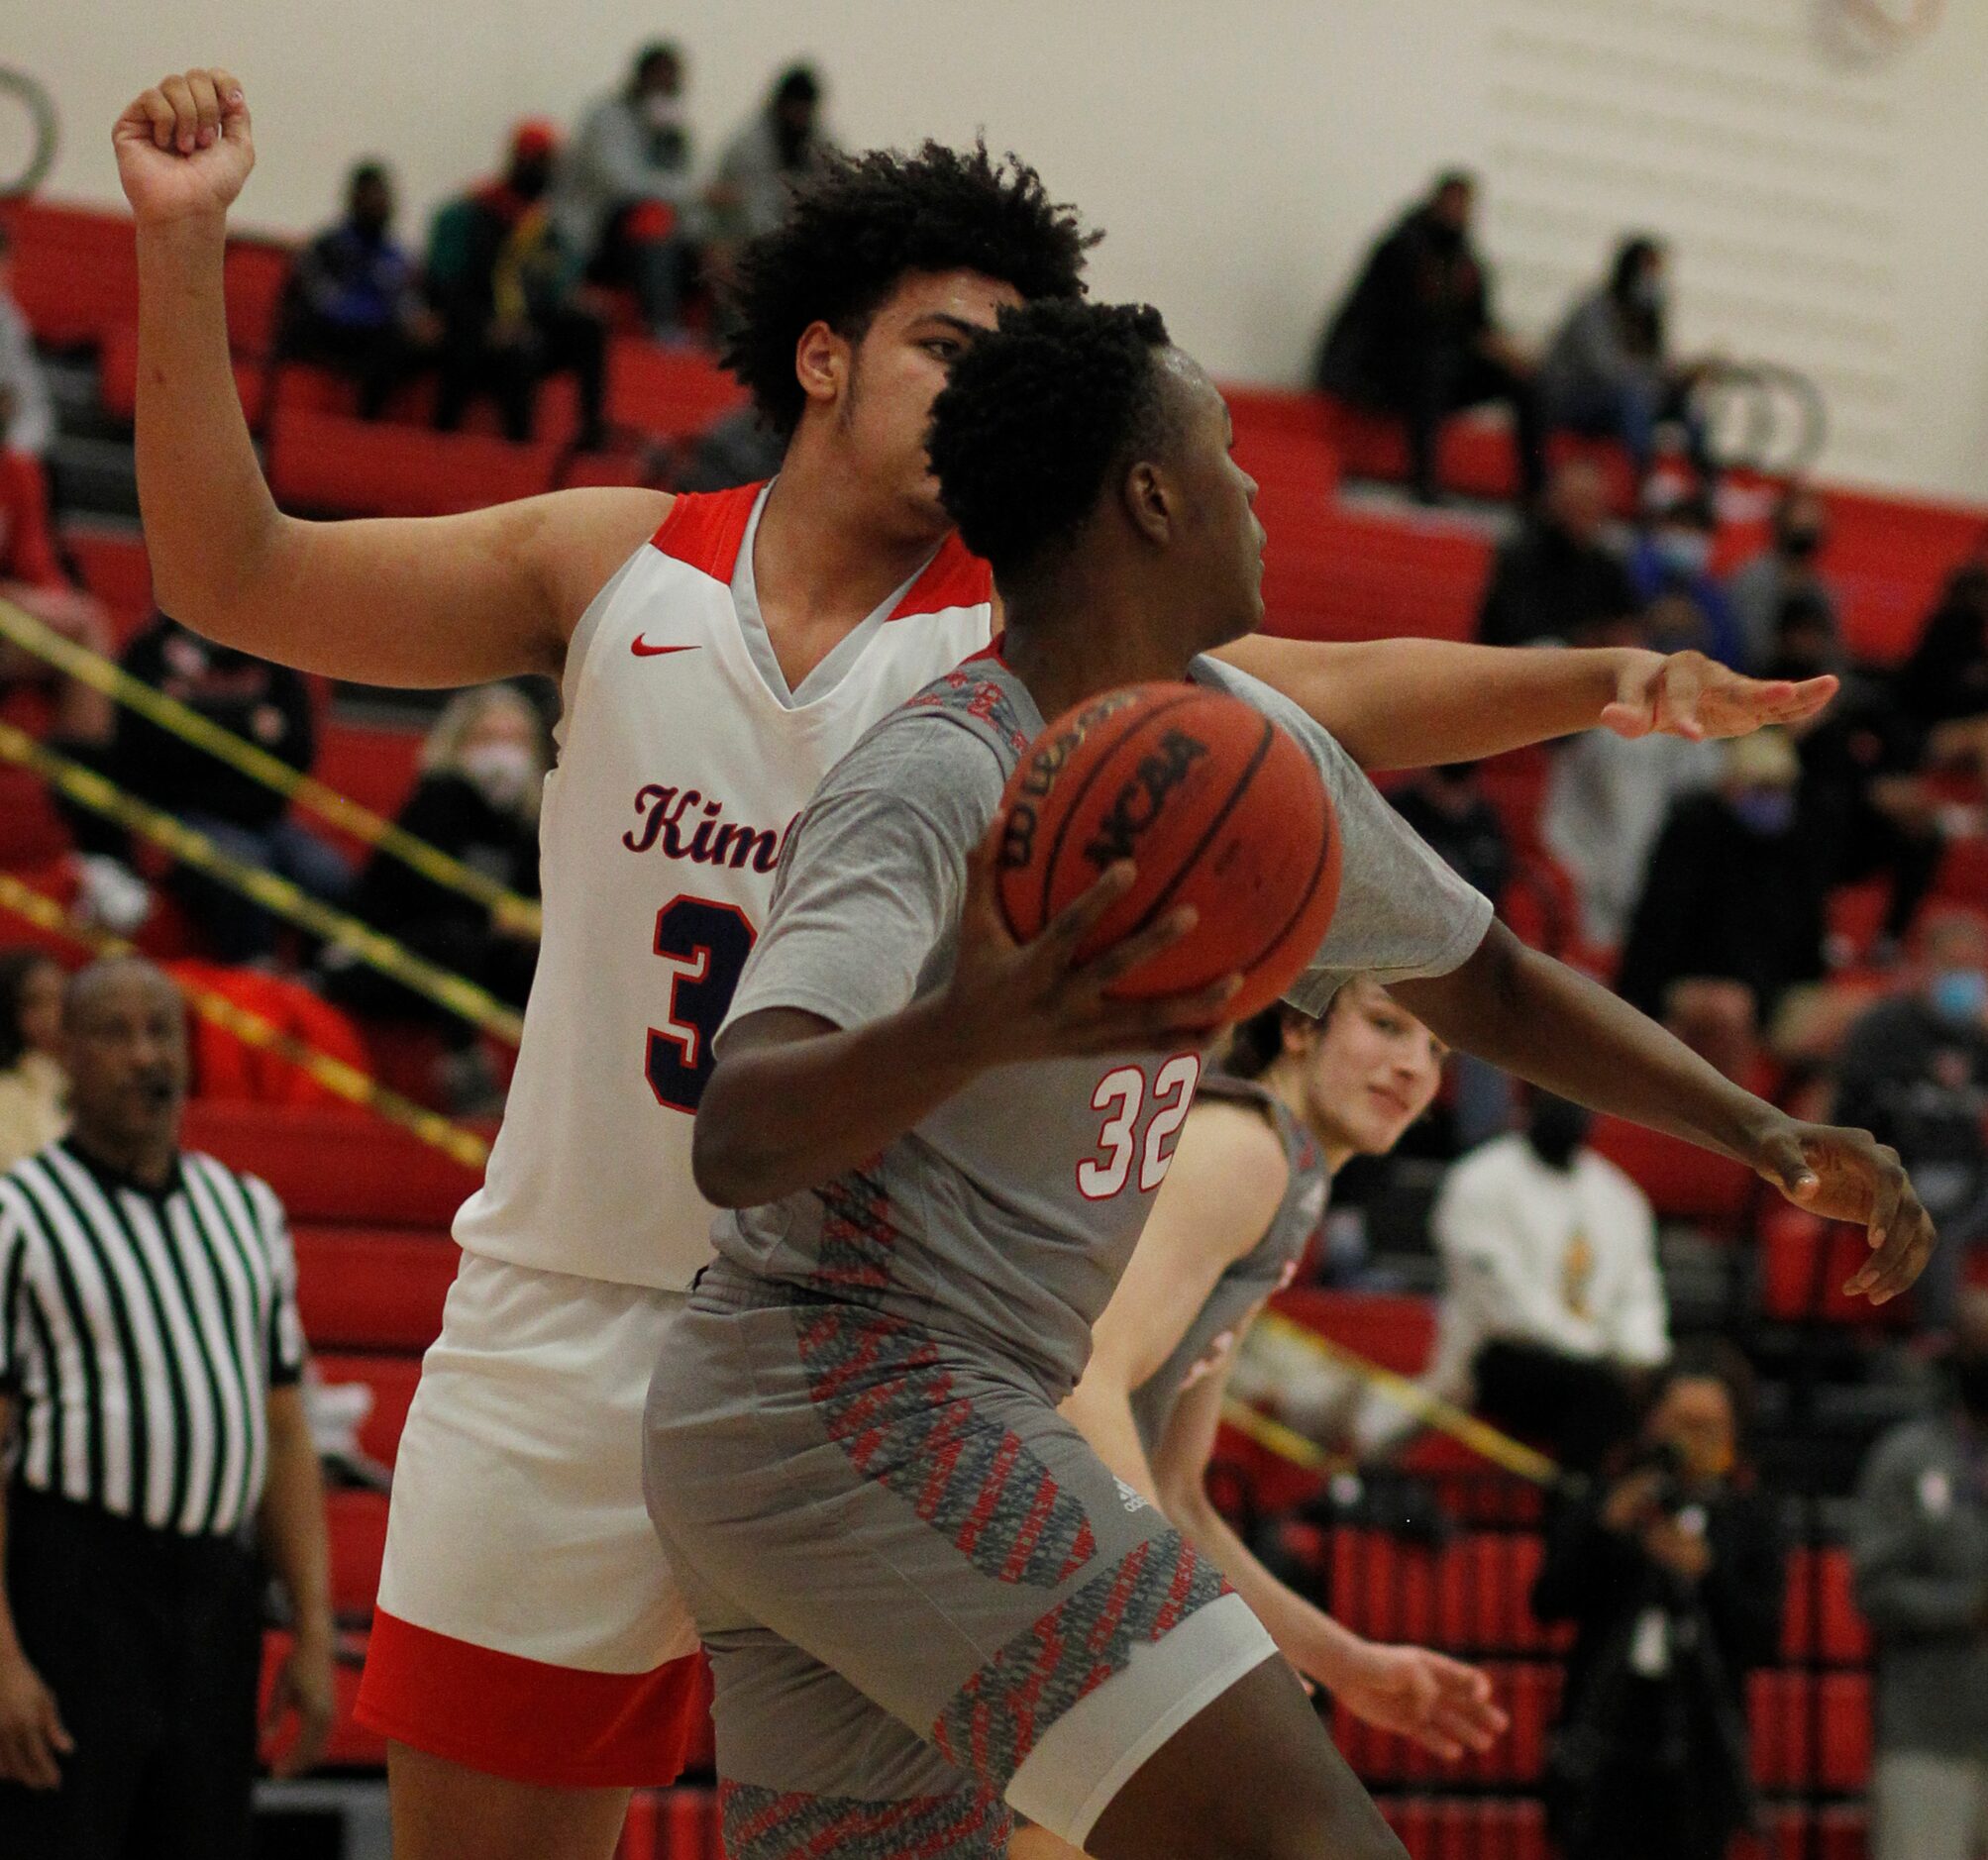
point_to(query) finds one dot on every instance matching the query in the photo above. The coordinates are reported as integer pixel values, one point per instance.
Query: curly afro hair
(864, 222)
(1036, 416)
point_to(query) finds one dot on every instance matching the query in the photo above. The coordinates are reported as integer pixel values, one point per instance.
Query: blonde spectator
(34, 1091)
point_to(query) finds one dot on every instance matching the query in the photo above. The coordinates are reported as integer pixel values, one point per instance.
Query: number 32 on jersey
(709, 942)
(1121, 1096)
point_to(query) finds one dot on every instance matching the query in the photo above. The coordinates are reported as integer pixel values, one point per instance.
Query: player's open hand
(1690, 695)
(1438, 1702)
(305, 1687)
(32, 1738)
(1847, 1175)
(183, 148)
(1015, 1001)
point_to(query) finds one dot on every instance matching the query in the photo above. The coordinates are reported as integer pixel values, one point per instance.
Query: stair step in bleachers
(372, 1288)
(326, 1166)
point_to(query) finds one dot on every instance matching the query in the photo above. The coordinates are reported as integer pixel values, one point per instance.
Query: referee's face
(125, 1048)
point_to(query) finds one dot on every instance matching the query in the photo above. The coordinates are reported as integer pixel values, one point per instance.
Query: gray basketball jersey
(1245, 1283)
(1004, 1220)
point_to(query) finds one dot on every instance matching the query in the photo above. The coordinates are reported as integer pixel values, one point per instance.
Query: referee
(150, 1357)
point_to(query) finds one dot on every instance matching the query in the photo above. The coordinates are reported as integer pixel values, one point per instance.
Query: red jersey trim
(528, 1720)
(706, 528)
(954, 577)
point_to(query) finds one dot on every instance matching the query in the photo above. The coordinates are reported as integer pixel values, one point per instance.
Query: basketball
(1218, 807)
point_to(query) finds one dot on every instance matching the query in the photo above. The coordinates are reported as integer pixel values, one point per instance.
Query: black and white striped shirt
(141, 1332)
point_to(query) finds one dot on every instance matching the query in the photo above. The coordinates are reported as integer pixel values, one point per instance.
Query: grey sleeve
(871, 881)
(1402, 912)
(1899, 1583)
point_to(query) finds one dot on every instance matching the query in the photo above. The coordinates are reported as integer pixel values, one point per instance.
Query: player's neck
(1284, 1080)
(823, 559)
(1084, 635)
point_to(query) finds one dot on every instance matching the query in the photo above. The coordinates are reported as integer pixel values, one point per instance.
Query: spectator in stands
(1736, 888)
(354, 301)
(483, 769)
(507, 287)
(1941, 689)
(1551, 1302)
(1914, 1072)
(1557, 579)
(152, 1312)
(1920, 1550)
(623, 198)
(1606, 801)
(1609, 372)
(1861, 790)
(1415, 335)
(27, 408)
(781, 144)
(1670, 568)
(1759, 590)
(268, 705)
(1673, 1577)
(34, 1091)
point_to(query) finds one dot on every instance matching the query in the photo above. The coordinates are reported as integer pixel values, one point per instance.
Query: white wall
(1240, 157)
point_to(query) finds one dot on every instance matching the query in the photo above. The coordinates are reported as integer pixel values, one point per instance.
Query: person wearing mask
(1608, 372)
(1556, 579)
(151, 1363)
(354, 301)
(1670, 568)
(1941, 689)
(1919, 1549)
(1869, 806)
(482, 769)
(1672, 1576)
(33, 1092)
(1759, 590)
(1914, 1072)
(506, 286)
(1415, 335)
(1551, 1303)
(1738, 887)
(623, 197)
(779, 146)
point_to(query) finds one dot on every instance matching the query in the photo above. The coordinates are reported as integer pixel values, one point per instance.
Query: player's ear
(1149, 502)
(821, 363)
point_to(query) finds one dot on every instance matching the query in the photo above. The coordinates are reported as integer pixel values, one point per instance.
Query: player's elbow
(729, 1158)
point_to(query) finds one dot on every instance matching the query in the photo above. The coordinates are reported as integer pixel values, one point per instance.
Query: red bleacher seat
(325, 1167)
(32, 833)
(1805, 1263)
(1391, 1328)
(356, 1524)
(227, 1070)
(116, 570)
(333, 462)
(1822, 1621)
(1467, 1829)
(1810, 1730)
(75, 269)
(366, 1287)
(1682, 1181)
(375, 764)
(673, 394)
(679, 1824)
(391, 1380)
(353, 1747)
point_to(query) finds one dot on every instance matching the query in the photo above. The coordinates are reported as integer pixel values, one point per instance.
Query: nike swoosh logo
(643, 650)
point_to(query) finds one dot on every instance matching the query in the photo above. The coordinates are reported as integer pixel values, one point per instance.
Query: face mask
(502, 771)
(1959, 995)
(1969, 1370)
(660, 110)
(1555, 1130)
(1684, 552)
(1769, 811)
(1798, 544)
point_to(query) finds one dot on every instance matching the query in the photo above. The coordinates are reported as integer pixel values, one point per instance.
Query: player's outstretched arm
(1442, 1704)
(1542, 1020)
(1407, 703)
(446, 601)
(794, 1100)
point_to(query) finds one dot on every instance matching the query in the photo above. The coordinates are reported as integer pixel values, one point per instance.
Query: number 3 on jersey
(714, 940)
(1121, 1096)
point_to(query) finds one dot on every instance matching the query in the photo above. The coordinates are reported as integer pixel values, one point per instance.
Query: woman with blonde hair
(34, 1091)
(483, 772)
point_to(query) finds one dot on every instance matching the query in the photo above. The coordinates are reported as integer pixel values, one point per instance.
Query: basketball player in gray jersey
(924, 1594)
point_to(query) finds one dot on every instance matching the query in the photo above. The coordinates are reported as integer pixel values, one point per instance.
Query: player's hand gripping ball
(1216, 807)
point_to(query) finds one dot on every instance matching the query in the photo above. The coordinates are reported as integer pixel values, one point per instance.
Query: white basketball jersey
(680, 773)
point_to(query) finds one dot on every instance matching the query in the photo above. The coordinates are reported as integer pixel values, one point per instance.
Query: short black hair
(1034, 418)
(798, 84)
(655, 52)
(861, 224)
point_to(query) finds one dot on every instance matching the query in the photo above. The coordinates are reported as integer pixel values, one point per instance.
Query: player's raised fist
(183, 148)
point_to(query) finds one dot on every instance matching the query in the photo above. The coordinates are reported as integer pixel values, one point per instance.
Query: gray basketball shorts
(925, 1598)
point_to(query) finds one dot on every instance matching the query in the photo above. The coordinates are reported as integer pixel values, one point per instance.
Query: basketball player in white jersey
(531, 1659)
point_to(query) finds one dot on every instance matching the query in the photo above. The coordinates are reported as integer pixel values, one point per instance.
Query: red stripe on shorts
(529, 1720)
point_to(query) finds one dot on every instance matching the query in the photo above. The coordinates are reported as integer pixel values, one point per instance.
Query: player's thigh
(444, 1811)
(1252, 1776)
